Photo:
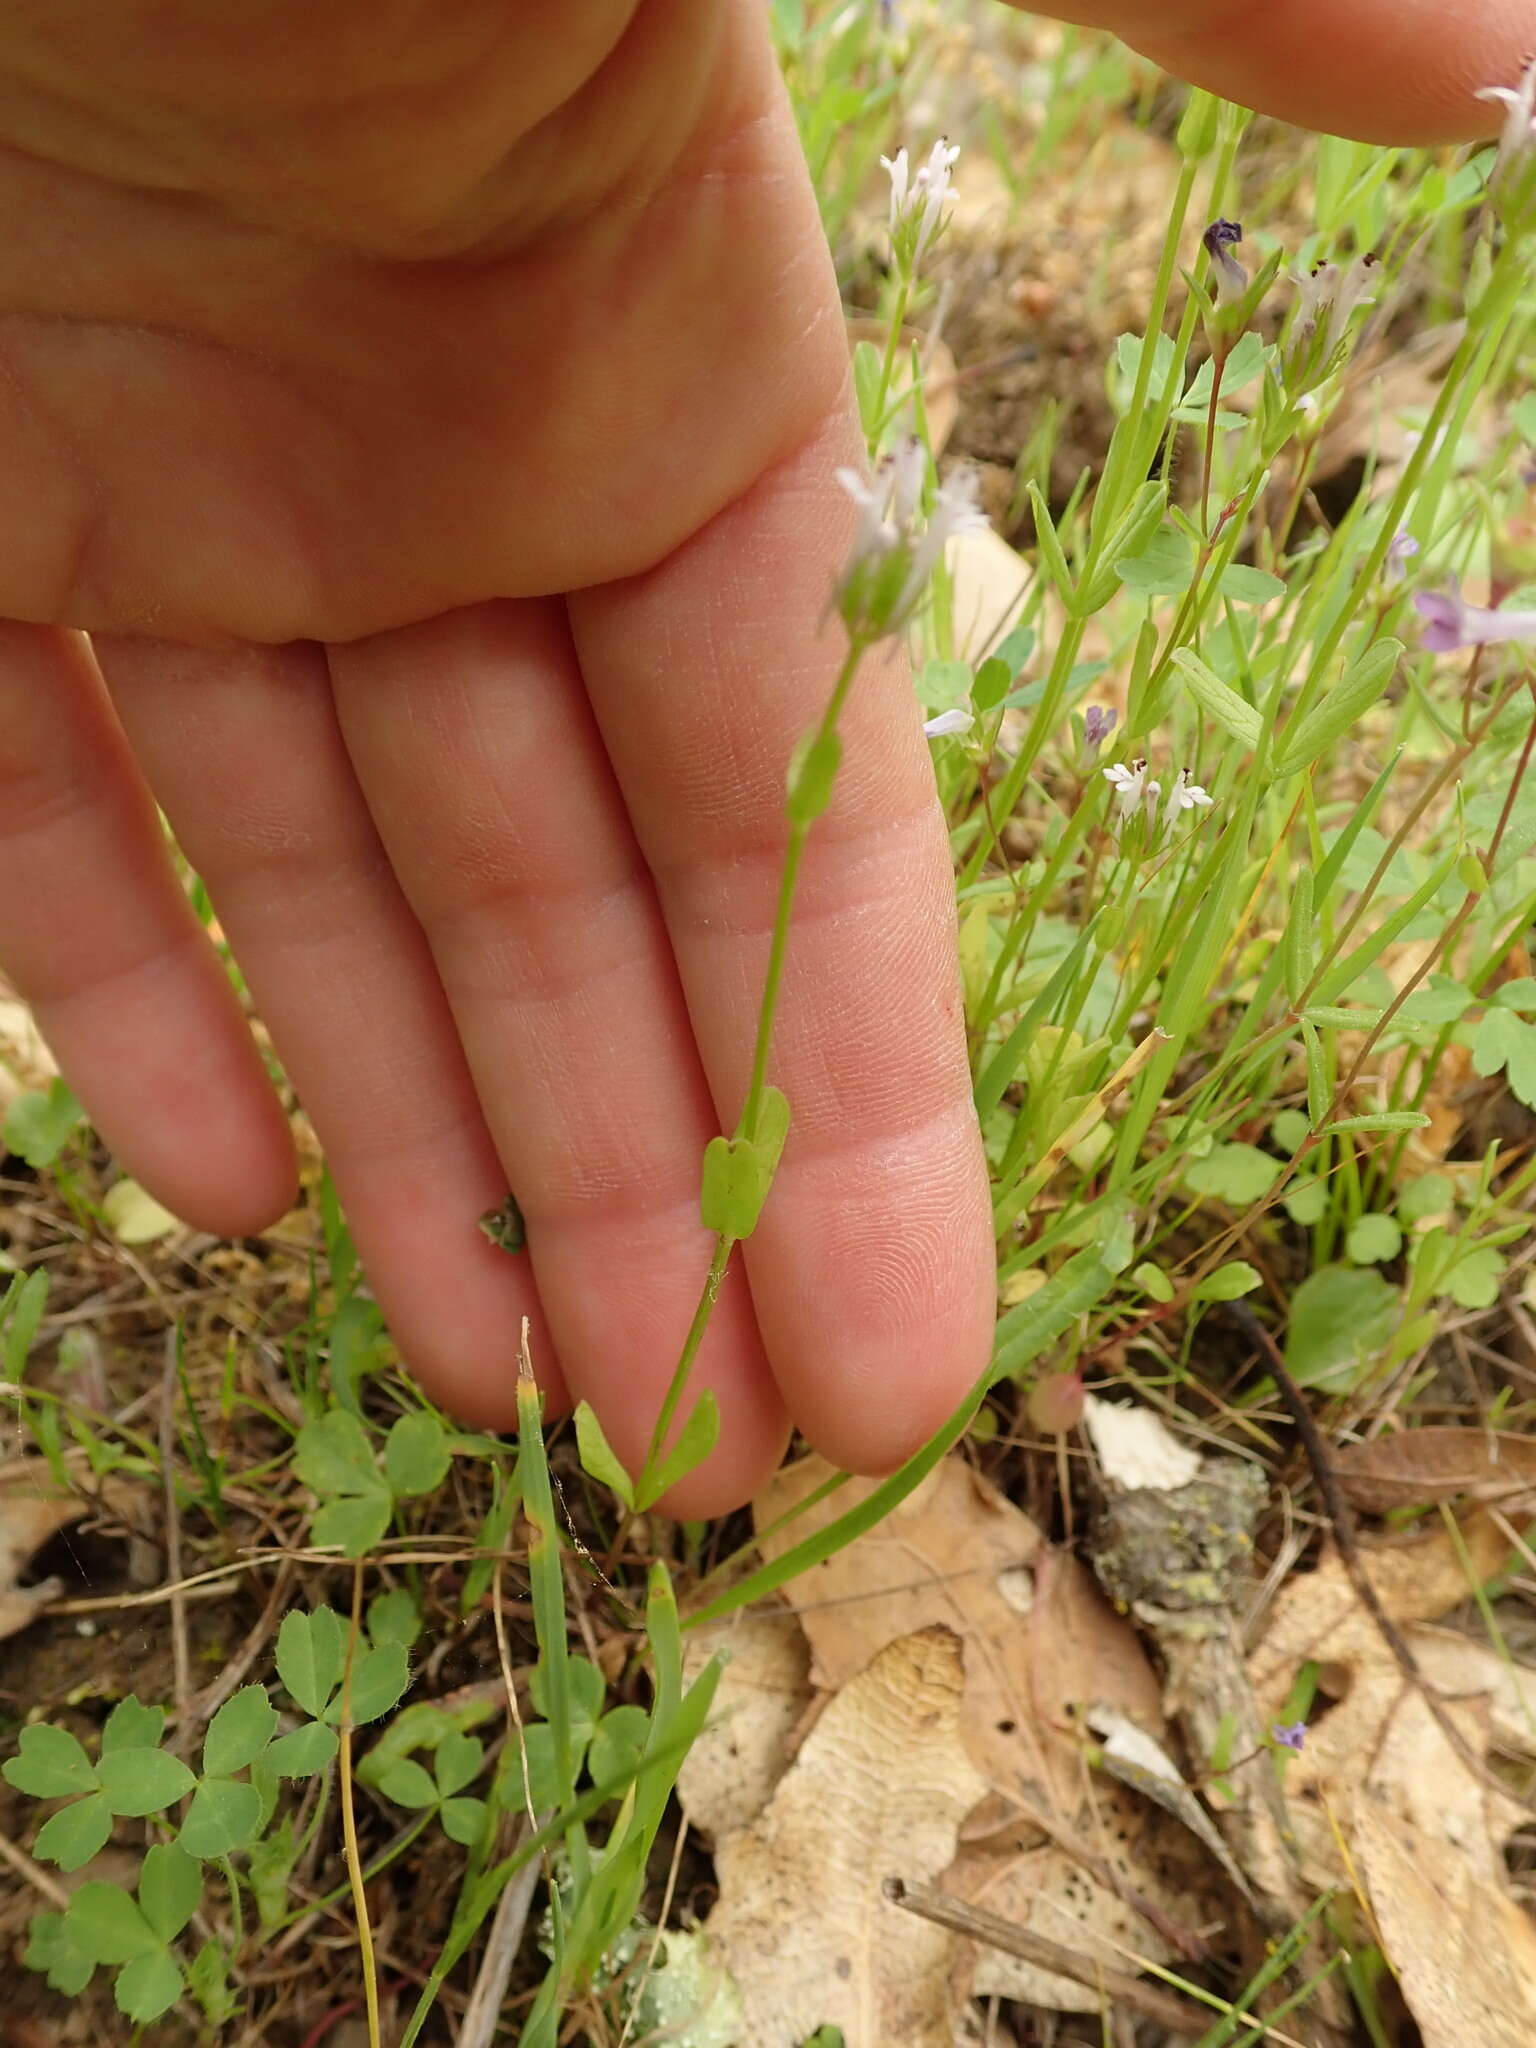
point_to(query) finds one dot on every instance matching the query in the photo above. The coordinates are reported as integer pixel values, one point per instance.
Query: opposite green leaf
(733, 1189)
(696, 1439)
(1218, 700)
(1337, 710)
(598, 1458)
(811, 776)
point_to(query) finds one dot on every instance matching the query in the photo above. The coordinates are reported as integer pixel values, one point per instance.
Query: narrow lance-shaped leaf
(697, 1438)
(1329, 719)
(598, 1458)
(1218, 700)
(1297, 940)
(1344, 972)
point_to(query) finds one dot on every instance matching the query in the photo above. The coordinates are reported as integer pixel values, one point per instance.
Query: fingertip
(170, 1078)
(882, 1317)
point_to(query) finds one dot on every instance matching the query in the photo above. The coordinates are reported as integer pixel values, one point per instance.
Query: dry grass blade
(1178, 2015)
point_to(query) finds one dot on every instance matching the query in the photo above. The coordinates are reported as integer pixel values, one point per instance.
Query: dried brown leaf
(879, 1789)
(1372, 1735)
(729, 1774)
(1041, 1639)
(1041, 1644)
(32, 1509)
(1417, 1466)
(1463, 1951)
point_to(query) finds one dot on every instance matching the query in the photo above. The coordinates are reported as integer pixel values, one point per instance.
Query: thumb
(1378, 70)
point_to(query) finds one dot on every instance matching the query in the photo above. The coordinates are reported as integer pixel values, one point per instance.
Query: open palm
(431, 416)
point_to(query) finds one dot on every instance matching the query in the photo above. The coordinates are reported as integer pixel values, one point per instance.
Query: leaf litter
(952, 1701)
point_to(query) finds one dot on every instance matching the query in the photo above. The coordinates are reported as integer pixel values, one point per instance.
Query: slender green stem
(778, 947)
(720, 1259)
(892, 345)
(773, 979)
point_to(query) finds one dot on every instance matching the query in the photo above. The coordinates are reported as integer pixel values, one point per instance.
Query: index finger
(1378, 70)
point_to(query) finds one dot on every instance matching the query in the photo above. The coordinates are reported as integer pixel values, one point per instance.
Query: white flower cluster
(1326, 300)
(918, 199)
(894, 552)
(1136, 795)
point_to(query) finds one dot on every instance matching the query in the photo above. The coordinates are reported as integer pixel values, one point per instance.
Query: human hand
(337, 348)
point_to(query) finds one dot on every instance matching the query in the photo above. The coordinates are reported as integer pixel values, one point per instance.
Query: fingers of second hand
(476, 747)
(96, 932)
(245, 754)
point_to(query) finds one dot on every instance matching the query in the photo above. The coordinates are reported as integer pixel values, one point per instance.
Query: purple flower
(1228, 275)
(1289, 1736)
(1402, 551)
(1098, 724)
(1451, 622)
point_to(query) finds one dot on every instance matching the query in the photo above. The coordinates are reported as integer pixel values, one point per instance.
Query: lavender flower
(1451, 622)
(1289, 1735)
(1228, 277)
(893, 556)
(956, 721)
(1098, 723)
(918, 200)
(1402, 551)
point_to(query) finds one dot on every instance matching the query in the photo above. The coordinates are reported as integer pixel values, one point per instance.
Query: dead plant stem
(349, 1820)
